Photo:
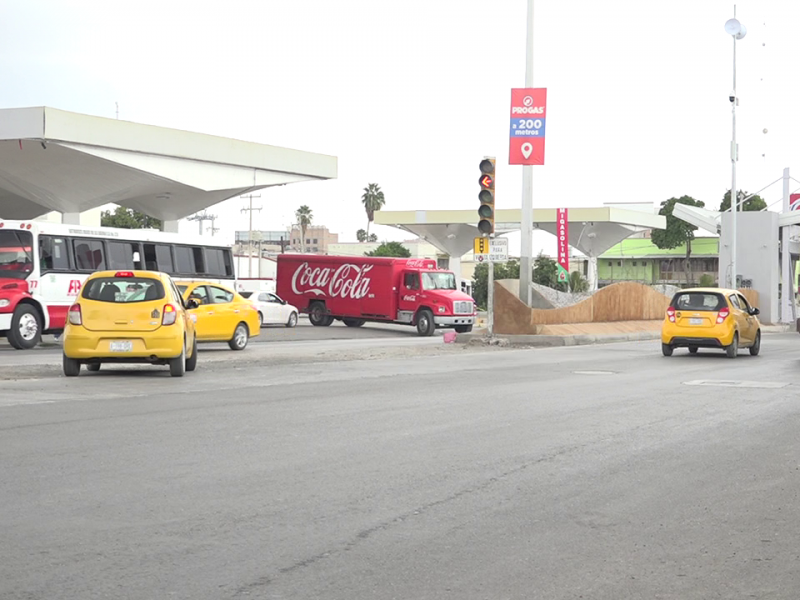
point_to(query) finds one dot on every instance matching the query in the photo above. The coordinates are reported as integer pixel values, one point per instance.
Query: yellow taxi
(711, 318)
(222, 315)
(129, 317)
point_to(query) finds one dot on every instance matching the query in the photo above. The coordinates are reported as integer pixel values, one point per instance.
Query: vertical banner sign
(562, 227)
(794, 201)
(528, 112)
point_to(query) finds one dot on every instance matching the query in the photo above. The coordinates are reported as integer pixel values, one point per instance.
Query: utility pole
(202, 218)
(250, 233)
(213, 229)
(526, 248)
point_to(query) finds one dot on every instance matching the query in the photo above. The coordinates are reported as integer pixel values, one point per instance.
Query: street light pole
(526, 226)
(737, 31)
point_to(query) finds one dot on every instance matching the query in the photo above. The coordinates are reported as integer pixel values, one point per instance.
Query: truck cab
(431, 299)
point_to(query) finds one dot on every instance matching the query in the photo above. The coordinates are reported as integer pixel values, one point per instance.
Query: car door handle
(236, 311)
(211, 312)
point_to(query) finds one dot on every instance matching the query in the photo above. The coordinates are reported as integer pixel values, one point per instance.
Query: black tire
(72, 366)
(666, 349)
(425, 324)
(318, 315)
(93, 367)
(26, 328)
(260, 320)
(733, 350)
(463, 328)
(191, 362)
(177, 366)
(241, 335)
(692, 349)
(354, 322)
(292, 322)
(756, 347)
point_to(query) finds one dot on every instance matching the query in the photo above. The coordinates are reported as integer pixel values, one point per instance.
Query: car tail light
(75, 315)
(123, 274)
(722, 315)
(170, 314)
(671, 314)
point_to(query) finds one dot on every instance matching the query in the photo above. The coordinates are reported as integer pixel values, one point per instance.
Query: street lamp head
(735, 28)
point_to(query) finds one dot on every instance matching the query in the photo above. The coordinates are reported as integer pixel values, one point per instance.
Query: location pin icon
(527, 148)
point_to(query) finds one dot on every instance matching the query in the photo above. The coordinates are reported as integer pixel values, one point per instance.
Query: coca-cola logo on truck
(347, 281)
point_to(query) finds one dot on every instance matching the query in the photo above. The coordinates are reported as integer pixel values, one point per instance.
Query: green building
(638, 259)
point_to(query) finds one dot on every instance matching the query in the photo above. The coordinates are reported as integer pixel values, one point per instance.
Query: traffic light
(486, 196)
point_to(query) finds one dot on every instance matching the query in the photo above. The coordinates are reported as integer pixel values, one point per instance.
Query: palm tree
(372, 200)
(304, 217)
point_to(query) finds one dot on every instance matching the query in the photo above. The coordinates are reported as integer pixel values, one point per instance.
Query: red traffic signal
(486, 197)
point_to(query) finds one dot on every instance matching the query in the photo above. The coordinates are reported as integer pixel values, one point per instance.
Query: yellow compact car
(129, 317)
(711, 318)
(222, 315)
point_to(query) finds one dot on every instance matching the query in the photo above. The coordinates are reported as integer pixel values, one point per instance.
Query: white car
(272, 310)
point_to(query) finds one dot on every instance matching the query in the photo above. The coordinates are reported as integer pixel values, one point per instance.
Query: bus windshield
(439, 280)
(16, 261)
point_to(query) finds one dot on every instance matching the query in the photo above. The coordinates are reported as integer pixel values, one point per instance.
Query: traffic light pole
(490, 297)
(526, 247)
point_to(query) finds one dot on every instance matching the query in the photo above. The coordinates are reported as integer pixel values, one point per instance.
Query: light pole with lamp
(737, 31)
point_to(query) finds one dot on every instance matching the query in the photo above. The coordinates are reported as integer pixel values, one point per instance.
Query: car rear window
(123, 290)
(698, 301)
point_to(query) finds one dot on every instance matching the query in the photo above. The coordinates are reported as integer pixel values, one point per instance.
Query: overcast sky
(411, 95)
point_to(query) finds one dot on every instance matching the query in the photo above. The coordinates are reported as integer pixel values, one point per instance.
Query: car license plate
(121, 346)
(695, 321)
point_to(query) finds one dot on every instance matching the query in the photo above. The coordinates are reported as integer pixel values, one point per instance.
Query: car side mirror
(192, 303)
(283, 302)
(755, 311)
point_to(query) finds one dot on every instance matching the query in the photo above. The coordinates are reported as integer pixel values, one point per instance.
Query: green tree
(363, 236)
(545, 272)
(706, 280)
(678, 232)
(754, 204)
(127, 218)
(304, 218)
(480, 279)
(373, 200)
(394, 249)
(577, 282)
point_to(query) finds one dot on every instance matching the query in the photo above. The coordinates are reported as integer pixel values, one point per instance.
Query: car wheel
(191, 362)
(425, 323)
(93, 367)
(72, 367)
(666, 349)
(733, 350)
(692, 349)
(354, 322)
(26, 328)
(756, 347)
(177, 366)
(260, 320)
(240, 337)
(292, 322)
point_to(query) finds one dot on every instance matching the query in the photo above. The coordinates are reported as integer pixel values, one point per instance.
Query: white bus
(44, 265)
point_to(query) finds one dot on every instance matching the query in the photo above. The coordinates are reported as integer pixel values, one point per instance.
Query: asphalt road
(597, 472)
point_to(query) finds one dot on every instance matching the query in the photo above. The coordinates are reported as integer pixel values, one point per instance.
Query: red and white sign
(794, 201)
(562, 227)
(527, 130)
(74, 287)
(345, 281)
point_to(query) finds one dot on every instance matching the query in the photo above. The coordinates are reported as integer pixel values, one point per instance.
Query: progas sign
(347, 281)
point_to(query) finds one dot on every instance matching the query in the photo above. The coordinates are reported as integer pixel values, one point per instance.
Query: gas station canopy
(52, 160)
(592, 231)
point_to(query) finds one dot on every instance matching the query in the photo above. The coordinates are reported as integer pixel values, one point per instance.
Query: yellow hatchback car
(711, 318)
(129, 317)
(223, 315)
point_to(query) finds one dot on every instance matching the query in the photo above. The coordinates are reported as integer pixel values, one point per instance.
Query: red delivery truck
(355, 290)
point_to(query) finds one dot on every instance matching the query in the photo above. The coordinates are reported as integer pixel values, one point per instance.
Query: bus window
(184, 260)
(53, 254)
(15, 253)
(123, 255)
(89, 255)
(215, 261)
(157, 257)
(199, 262)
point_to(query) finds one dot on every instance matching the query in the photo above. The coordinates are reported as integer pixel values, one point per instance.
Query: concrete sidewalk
(552, 341)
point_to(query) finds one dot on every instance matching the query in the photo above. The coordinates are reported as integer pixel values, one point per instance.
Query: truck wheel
(353, 322)
(425, 323)
(463, 328)
(318, 315)
(26, 328)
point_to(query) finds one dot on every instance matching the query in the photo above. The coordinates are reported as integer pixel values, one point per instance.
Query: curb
(555, 341)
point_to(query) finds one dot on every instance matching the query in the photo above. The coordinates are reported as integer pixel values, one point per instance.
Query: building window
(619, 263)
(634, 263)
(610, 264)
(315, 240)
(644, 263)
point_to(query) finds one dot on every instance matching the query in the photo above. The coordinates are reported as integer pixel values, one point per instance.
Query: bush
(707, 280)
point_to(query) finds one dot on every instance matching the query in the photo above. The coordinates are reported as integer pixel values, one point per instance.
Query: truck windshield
(438, 281)
(16, 260)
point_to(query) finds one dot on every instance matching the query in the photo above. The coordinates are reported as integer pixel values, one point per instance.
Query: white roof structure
(53, 160)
